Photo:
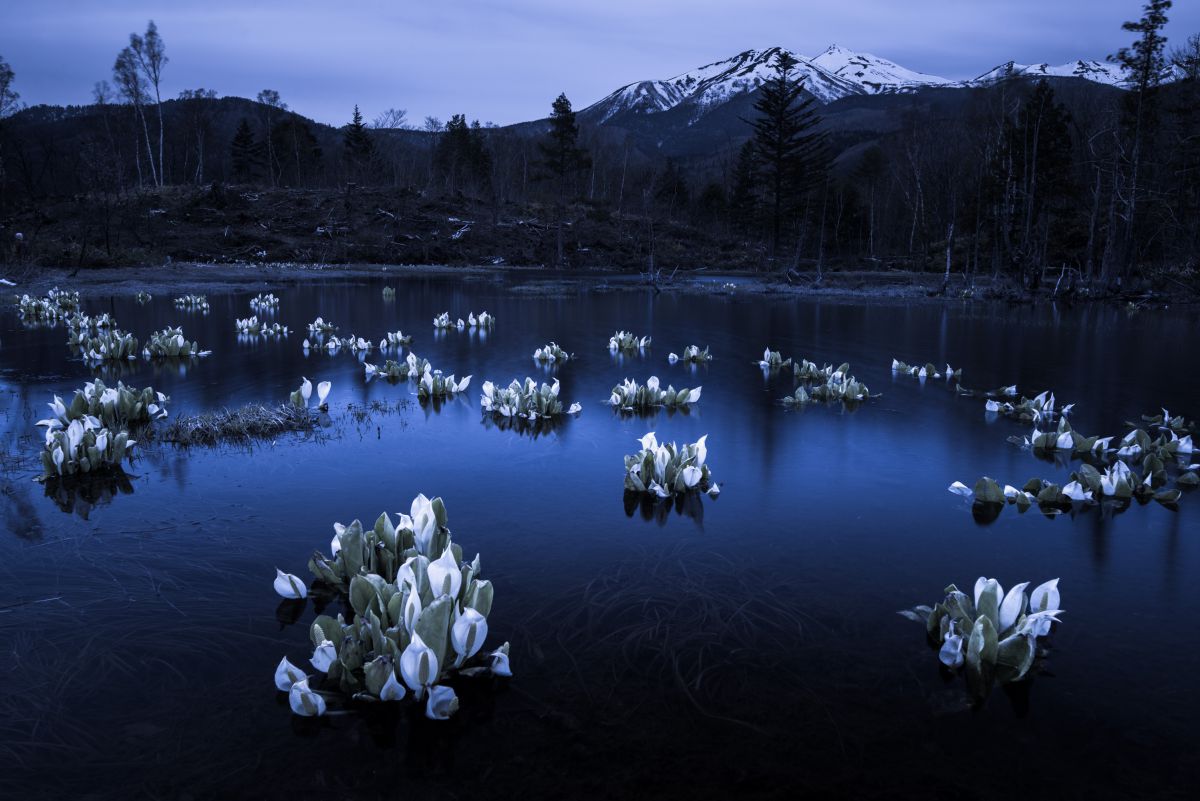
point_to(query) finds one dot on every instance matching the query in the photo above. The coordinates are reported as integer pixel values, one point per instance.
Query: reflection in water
(541, 427)
(80, 494)
(656, 509)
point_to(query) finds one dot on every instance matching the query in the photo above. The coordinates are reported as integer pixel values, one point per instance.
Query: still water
(747, 647)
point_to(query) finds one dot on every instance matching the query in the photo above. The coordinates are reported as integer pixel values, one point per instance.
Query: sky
(504, 61)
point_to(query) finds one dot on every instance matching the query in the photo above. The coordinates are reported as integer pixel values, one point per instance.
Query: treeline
(1058, 180)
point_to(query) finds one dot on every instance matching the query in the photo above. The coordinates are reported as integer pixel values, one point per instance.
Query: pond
(747, 644)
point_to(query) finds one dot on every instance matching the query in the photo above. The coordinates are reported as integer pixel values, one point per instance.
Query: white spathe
(445, 576)
(289, 586)
(418, 665)
(468, 633)
(442, 703)
(304, 701)
(324, 655)
(287, 674)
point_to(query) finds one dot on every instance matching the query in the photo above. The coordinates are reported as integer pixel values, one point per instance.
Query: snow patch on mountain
(1092, 70)
(873, 74)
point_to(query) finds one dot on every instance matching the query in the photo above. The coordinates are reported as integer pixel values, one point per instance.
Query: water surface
(746, 646)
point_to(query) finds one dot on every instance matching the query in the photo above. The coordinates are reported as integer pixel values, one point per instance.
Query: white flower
(418, 665)
(289, 586)
(287, 674)
(1075, 491)
(951, 654)
(1012, 606)
(424, 523)
(324, 655)
(392, 690)
(959, 488)
(1045, 597)
(323, 392)
(305, 384)
(672, 358)
(992, 406)
(691, 476)
(500, 664)
(305, 702)
(574, 408)
(468, 633)
(445, 576)
(442, 703)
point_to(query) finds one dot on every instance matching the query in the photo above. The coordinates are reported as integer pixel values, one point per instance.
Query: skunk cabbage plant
(252, 326)
(112, 407)
(83, 446)
(625, 341)
(433, 385)
(926, 370)
(108, 345)
(395, 339)
(419, 617)
(143, 298)
(261, 302)
(552, 354)
(302, 396)
(773, 360)
(320, 327)
(527, 401)
(691, 354)
(389, 293)
(630, 396)
(192, 302)
(412, 367)
(481, 320)
(993, 636)
(666, 469)
(170, 342)
(443, 321)
(80, 323)
(58, 304)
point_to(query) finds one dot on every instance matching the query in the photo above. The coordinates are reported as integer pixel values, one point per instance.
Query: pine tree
(788, 151)
(1144, 63)
(461, 156)
(245, 154)
(743, 200)
(357, 143)
(561, 159)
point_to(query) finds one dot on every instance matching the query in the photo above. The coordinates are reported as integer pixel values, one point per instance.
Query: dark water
(749, 649)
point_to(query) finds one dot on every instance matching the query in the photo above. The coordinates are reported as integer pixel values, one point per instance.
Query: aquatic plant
(252, 326)
(434, 385)
(993, 636)
(261, 302)
(692, 354)
(420, 617)
(84, 446)
(1041, 407)
(352, 343)
(836, 387)
(169, 343)
(443, 321)
(301, 396)
(412, 367)
(320, 327)
(552, 354)
(481, 320)
(527, 401)
(245, 423)
(1087, 485)
(395, 339)
(143, 298)
(630, 396)
(80, 323)
(57, 305)
(627, 342)
(925, 371)
(389, 293)
(112, 407)
(65, 299)
(773, 360)
(108, 345)
(666, 469)
(192, 302)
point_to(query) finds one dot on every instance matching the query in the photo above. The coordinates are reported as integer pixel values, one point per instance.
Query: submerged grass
(243, 424)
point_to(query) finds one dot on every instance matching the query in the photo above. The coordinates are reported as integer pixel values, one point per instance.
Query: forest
(1055, 183)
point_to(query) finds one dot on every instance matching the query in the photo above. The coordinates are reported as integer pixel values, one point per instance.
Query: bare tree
(271, 103)
(390, 119)
(132, 87)
(151, 55)
(9, 99)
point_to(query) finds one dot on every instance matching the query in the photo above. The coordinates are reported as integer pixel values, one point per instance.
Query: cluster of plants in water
(389, 293)
(143, 297)
(825, 384)
(411, 366)
(992, 637)
(664, 469)
(416, 623)
(320, 327)
(627, 342)
(91, 433)
(302, 396)
(192, 302)
(433, 385)
(252, 326)
(263, 303)
(692, 355)
(106, 345)
(927, 370)
(171, 343)
(630, 396)
(525, 401)
(56, 305)
(551, 354)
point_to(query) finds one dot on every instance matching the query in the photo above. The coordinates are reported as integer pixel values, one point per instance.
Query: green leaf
(988, 491)
(1167, 495)
(325, 628)
(376, 673)
(1014, 657)
(433, 626)
(989, 603)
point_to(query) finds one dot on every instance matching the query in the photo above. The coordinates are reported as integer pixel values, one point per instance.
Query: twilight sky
(505, 60)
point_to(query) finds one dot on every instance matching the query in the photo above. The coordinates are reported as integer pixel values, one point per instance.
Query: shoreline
(843, 286)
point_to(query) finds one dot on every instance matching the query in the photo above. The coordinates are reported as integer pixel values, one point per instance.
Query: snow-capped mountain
(873, 74)
(832, 75)
(1097, 71)
(707, 87)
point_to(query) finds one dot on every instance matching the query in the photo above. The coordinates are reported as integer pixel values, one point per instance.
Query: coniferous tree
(561, 159)
(298, 151)
(1144, 63)
(460, 156)
(743, 200)
(245, 154)
(788, 150)
(357, 144)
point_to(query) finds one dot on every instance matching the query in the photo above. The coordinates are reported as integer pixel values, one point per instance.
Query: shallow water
(749, 646)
